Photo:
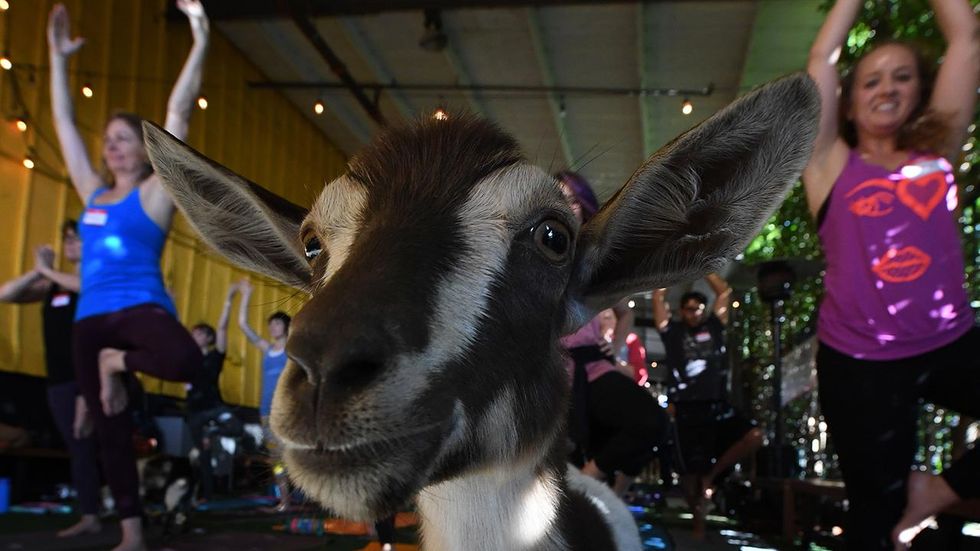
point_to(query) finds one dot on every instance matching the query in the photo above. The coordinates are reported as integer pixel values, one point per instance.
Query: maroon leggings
(155, 344)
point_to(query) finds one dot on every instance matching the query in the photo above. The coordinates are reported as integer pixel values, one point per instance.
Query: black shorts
(704, 431)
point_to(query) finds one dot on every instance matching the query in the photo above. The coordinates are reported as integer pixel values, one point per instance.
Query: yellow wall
(131, 57)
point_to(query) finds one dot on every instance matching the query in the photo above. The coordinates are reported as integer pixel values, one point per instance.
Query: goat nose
(301, 355)
(355, 372)
(339, 364)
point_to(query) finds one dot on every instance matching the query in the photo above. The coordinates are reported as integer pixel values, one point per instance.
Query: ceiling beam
(336, 65)
(227, 10)
(360, 41)
(464, 77)
(643, 56)
(516, 89)
(556, 102)
(285, 48)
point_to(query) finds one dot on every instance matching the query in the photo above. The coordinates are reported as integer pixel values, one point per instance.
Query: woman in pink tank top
(895, 325)
(614, 424)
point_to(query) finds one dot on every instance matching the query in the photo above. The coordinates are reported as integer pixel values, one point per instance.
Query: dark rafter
(302, 21)
(231, 10)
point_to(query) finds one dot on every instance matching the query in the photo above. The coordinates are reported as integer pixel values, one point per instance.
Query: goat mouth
(368, 452)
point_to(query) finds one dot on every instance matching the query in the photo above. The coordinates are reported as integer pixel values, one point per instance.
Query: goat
(442, 268)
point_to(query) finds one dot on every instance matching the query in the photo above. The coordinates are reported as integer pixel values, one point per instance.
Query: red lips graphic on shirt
(901, 265)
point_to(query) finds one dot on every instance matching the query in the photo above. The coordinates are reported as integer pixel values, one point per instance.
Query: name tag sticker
(60, 300)
(95, 217)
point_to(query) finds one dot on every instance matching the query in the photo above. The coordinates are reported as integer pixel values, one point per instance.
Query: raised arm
(221, 331)
(60, 47)
(829, 150)
(30, 287)
(723, 296)
(661, 316)
(44, 265)
(955, 91)
(624, 322)
(250, 334)
(181, 102)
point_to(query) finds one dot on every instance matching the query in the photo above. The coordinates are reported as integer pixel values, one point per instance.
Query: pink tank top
(894, 284)
(588, 335)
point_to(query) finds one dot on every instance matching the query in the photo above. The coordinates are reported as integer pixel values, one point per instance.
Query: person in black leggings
(58, 293)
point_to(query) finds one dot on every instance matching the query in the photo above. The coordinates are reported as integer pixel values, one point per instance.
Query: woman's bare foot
(591, 469)
(928, 494)
(132, 532)
(88, 524)
(113, 391)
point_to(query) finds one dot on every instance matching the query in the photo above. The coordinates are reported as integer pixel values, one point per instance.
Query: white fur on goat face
(358, 452)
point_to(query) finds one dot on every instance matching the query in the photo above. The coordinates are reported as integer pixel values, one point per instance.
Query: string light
(28, 163)
(87, 90)
(202, 102)
(687, 107)
(318, 107)
(4, 5)
(440, 114)
(21, 124)
(5, 63)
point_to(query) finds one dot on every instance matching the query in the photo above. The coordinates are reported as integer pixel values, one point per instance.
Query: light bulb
(4, 5)
(687, 107)
(28, 162)
(318, 107)
(87, 90)
(21, 125)
(5, 63)
(440, 115)
(202, 102)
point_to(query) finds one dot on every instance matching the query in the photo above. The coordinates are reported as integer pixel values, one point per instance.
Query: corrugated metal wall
(131, 57)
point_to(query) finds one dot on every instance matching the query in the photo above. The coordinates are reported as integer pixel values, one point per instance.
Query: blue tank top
(121, 249)
(273, 362)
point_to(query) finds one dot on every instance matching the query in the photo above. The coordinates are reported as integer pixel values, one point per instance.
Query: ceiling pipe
(336, 65)
(503, 88)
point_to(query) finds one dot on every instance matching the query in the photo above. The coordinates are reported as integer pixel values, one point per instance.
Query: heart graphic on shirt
(922, 194)
(902, 265)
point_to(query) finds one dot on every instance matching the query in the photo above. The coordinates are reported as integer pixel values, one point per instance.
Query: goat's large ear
(251, 226)
(698, 200)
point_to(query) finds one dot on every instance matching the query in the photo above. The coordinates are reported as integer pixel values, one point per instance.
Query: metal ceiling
(546, 52)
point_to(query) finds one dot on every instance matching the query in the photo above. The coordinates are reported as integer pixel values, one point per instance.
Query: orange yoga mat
(352, 528)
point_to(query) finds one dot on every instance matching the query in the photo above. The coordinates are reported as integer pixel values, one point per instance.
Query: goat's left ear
(698, 200)
(251, 226)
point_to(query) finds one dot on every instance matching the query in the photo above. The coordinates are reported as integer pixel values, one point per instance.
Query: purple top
(894, 284)
(587, 335)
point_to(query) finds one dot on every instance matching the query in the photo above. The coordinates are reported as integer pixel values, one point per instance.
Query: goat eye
(552, 239)
(313, 248)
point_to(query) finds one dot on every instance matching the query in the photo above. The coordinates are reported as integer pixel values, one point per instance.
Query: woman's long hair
(925, 130)
(583, 192)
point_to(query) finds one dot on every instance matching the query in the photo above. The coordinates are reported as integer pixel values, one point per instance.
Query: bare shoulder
(822, 171)
(156, 202)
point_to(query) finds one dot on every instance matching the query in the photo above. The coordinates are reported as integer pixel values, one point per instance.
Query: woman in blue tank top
(273, 362)
(125, 320)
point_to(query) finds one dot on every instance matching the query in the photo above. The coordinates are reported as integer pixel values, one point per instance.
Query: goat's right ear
(251, 226)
